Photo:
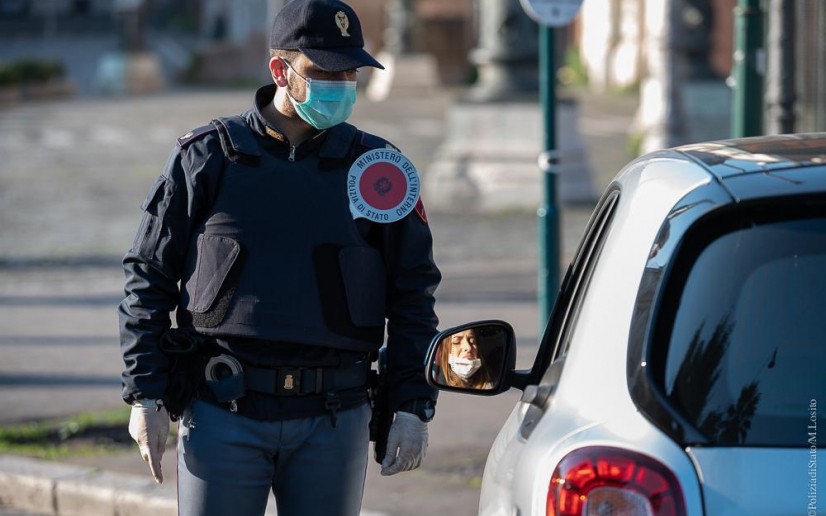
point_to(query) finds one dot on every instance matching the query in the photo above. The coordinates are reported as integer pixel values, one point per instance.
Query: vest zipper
(292, 153)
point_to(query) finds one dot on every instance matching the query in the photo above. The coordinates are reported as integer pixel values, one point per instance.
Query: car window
(578, 276)
(747, 348)
(583, 267)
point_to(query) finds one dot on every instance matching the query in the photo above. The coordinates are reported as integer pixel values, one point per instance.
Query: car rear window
(746, 357)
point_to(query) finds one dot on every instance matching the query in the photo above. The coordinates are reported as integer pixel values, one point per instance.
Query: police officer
(253, 239)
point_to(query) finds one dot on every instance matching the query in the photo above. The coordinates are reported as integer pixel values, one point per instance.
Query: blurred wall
(373, 22)
(446, 30)
(236, 36)
(612, 38)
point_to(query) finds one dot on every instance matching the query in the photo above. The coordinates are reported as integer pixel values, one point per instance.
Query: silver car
(683, 368)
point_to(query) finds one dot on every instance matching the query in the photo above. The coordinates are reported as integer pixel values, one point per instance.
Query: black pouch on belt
(225, 378)
(188, 353)
(382, 416)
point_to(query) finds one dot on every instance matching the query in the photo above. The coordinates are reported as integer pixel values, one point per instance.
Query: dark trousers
(228, 463)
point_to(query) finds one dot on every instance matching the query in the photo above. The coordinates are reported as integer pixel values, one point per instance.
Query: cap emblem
(342, 22)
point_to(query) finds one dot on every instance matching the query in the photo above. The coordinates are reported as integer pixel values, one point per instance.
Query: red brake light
(601, 480)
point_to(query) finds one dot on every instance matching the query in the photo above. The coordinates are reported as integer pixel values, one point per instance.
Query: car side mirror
(476, 358)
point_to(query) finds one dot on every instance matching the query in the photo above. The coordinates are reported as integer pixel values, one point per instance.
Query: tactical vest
(279, 256)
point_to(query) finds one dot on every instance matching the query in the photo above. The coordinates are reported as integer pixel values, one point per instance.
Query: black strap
(371, 141)
(236, 137)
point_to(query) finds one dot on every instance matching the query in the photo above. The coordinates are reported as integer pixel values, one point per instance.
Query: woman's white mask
(464, 367)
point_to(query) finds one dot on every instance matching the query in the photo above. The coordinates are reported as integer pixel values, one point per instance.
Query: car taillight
(599, 480)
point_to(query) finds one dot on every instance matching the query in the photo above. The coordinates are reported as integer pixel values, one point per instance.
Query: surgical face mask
(328, 103)
(464, 367)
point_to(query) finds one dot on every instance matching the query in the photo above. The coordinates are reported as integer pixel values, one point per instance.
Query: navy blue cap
(328, 32)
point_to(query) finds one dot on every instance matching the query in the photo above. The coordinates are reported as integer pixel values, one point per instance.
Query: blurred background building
(613, 45)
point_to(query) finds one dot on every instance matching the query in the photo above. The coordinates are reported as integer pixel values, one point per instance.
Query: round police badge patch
(382, 185)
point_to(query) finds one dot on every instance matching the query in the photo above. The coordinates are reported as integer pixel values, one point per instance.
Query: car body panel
(763, 154)
(781, 183)
(766, 481)
(496, 496)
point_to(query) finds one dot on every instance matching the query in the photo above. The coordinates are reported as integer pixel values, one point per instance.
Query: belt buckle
(289, 381)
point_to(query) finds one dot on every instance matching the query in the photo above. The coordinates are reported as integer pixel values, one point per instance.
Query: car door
(504, 454)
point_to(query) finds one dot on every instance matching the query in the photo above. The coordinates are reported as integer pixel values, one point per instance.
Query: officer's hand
(149, 428)
(406, 444)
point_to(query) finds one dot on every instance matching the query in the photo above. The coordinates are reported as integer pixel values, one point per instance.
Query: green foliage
(181, 22)
(82, 434)
(190, 75)
(573, 71)
(472, 75)
(30, 71)
(633, 146)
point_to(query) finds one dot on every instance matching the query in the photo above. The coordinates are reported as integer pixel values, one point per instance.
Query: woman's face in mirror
(463, 345)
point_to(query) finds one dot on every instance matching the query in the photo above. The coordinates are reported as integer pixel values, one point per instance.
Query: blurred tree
(780, 83)
(661, 105)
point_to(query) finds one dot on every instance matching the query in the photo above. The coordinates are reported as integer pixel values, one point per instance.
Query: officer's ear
(278, 71)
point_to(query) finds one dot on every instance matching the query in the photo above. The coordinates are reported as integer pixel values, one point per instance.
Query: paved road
(5, 510)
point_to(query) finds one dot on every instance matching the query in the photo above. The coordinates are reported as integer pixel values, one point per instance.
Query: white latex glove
(149, 428)
(406, 444)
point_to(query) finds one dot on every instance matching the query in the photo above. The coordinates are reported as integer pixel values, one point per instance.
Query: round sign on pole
(382, 185)
(553, 13)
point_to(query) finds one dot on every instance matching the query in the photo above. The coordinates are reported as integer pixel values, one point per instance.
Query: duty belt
(302, 381)
(229, 379)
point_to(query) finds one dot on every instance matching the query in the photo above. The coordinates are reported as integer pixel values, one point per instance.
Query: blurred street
(72, 176)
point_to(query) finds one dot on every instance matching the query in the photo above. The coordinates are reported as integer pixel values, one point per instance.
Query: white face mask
(464, 367)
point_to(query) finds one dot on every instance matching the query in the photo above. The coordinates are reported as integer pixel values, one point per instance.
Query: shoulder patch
(382, 186)
(195, 134)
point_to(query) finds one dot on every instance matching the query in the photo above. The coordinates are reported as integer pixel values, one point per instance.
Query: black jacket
(281, 247)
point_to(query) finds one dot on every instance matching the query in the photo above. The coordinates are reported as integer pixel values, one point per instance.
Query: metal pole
(747, 115)
(548, 213)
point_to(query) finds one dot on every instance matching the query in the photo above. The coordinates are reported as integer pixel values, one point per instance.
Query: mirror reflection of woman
(460, 364)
